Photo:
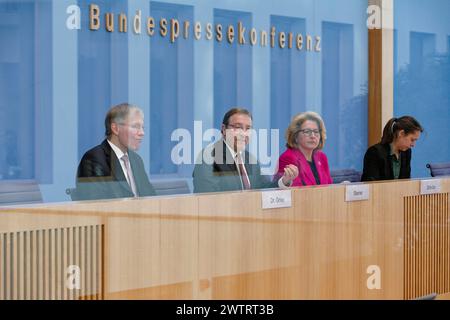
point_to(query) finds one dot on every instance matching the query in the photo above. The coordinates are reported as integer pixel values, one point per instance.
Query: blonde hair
(296, 125)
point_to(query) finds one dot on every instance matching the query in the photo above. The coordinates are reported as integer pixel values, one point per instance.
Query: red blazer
(305, 175)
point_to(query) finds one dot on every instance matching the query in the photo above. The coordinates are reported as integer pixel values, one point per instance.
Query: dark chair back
(439, 169)
(19, 192)
(341, 175)
(168, 187)
(162, 188)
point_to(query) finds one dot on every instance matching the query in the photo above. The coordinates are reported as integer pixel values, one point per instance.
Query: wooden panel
(32, 264)
(52, 263)
(88, 264)
(381, 73)
(27, 266)
(15, 193)
(167, 292)
(133, 251)
(179, 245)
(40, 264)
(76, 258)
(62, 263)
(387, 208)
(100, 262)
(15, 285)
(45, 265)
(225, 246)
(33, 267)
(445, 296)
(2, 265)
(427, 245)
(375, 124)
(154, 251)
(235, 234)
(8, 267)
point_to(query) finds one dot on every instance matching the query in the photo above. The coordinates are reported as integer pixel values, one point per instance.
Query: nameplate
(430, 186)
(276, 199)
(357, 192)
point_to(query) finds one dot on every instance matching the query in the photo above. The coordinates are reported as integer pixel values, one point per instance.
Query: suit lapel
(249, 168)
(116, 169)
(134, 169)
(221, 158)
(308, 176)
(230, 168)
(390, 173)
(404, 163)
(318, 164)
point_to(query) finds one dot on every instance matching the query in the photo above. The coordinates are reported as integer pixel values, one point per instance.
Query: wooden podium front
(396, 245)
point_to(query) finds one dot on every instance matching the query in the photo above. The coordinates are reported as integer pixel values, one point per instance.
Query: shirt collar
(392, 154)
(233, 153)
(116, 150)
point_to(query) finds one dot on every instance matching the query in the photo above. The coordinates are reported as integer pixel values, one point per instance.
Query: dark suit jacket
(100, 175)
(222, 176)
(378, 164)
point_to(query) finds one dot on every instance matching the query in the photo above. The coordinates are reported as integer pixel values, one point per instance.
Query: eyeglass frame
(238, 127)
(134, 127)
(316, 133)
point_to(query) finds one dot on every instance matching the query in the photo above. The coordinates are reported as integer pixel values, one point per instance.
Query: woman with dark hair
(391, 158)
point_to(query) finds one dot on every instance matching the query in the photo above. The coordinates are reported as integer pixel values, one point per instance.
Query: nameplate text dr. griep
(430, 186)
(276, 199)
(357, 192)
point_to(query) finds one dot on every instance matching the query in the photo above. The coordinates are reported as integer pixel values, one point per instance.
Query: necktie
(243, 172)
(130, 178)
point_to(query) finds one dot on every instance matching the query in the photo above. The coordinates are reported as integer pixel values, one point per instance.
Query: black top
(378, 163)
(313, 167)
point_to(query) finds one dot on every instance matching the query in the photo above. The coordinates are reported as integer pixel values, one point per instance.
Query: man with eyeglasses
(227, 166)
(113, 169)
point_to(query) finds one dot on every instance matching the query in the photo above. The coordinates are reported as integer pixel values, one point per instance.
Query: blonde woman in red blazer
(305, 138)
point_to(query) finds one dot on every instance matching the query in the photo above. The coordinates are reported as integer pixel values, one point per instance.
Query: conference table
(319, 244)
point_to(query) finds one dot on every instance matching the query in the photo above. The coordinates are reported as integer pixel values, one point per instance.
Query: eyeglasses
(309, 132)
(240, 127)
(136, 127)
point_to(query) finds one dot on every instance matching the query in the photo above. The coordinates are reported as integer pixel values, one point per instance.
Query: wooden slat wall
(33, 264)
(427, 245)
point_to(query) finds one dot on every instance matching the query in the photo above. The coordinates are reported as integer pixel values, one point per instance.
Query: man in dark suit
(226, 165)
(113, 169)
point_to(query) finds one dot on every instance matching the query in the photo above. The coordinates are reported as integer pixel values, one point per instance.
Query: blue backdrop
(56, 84)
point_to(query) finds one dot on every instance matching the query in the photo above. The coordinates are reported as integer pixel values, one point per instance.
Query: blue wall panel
(25, 91)
(343, 113)
(422, 78)
(171, 87)
(232, 66)
(173, 82)
(287, 78)
(102, 73)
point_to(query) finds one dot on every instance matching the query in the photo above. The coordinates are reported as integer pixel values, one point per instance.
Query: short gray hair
(118, 114)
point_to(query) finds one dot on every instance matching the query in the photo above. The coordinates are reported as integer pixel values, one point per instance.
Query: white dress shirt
(119, 155)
